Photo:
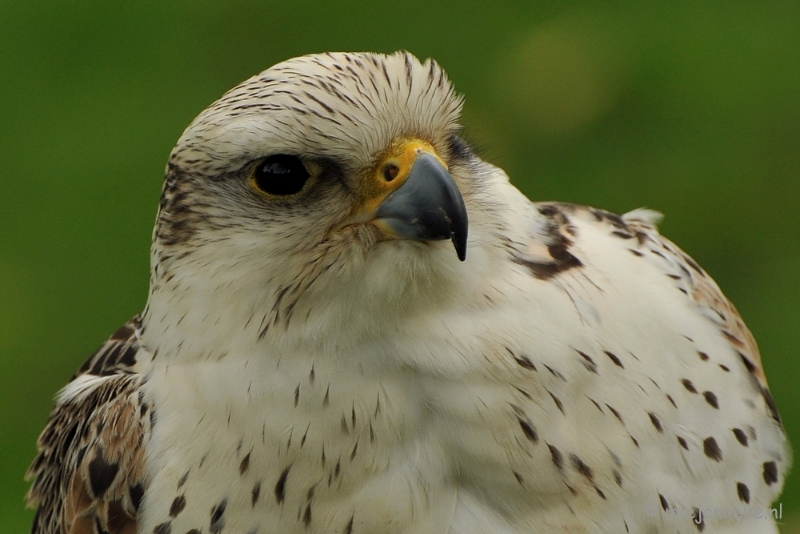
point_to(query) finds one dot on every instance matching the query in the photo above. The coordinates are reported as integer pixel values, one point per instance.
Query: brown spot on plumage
(770, 473)
(711, 449)
(177, 506)
(555, 373)
(522, 360)
(596, 404)
(124, 332)
(528, 430)
(751, 367)
(741, 437)
(770, 403)
(244, 465)
(613, 357)
(743, 491)
(556, 457)
(588, 362)
(558, 402)
(581, 467)
(136, 493)
(711, 399)
(101, 474)
(735, 341)
(693, 264)
(615, 220)
(218, 517)
(616, 414)
(522, 392)
(280, 486)
(558, 243)
(656, 422)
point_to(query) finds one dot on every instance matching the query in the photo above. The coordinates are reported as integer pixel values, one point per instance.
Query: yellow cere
(391, 172)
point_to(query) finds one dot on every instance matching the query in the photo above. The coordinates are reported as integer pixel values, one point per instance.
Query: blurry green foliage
(689, 108)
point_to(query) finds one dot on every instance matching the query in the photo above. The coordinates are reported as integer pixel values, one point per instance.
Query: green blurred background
(689, 108)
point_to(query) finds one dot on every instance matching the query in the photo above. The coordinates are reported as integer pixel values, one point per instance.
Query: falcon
(355, 325)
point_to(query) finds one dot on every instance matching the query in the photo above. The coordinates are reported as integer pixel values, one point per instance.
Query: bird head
(330, 187)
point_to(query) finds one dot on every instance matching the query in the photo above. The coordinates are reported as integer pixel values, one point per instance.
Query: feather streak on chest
(297, 446)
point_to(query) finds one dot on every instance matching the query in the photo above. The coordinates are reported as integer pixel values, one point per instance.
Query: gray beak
(428, 206)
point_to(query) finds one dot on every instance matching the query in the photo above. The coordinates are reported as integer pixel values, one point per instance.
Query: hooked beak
(417, 198)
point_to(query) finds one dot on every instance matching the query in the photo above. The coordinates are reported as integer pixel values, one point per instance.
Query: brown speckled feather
(696, 283)
(638, 228)
(87, 477)
(692, 279)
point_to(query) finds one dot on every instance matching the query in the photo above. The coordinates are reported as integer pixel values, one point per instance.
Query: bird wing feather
(88, 474)
(667, 366)
(693, 280)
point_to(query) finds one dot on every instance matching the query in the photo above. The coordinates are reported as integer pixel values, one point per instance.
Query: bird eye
(280, 175)
(390, 172)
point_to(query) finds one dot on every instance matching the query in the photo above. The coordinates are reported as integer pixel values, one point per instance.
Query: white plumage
(319, 360)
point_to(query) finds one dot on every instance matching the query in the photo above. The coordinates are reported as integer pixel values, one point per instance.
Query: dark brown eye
(280, 175)
(390, 172)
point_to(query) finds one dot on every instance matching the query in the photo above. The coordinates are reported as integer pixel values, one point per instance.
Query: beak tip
(460, 244)
(462, 254)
